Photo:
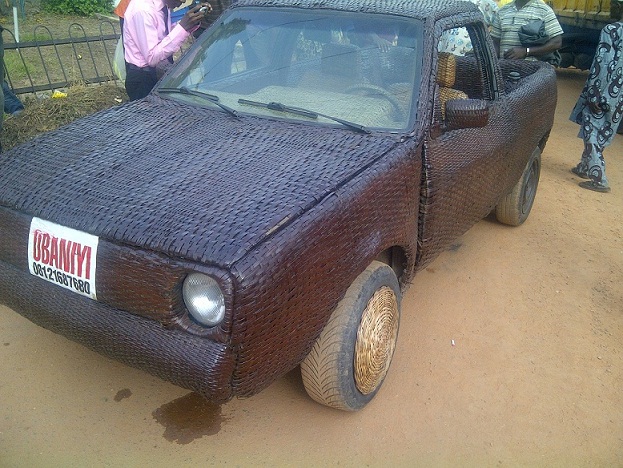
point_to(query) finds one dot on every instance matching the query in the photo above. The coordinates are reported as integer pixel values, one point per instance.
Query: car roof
(420, 9)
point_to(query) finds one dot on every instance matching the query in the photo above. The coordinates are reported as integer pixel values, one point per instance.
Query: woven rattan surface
(285, 215)
(446, 69)
(460, 186)
(376, 340)
(209, 198)
(232, 193)
(421, 9)
(185, 360)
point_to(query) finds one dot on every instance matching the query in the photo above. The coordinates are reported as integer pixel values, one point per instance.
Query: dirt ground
(534, 378)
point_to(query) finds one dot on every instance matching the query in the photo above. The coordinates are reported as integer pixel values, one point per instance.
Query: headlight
(204, 299)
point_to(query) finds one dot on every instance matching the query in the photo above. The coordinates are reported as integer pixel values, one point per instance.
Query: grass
(44, 115)
(13, 63)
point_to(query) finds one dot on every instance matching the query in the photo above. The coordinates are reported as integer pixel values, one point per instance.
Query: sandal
(594, 186)
(579, 173)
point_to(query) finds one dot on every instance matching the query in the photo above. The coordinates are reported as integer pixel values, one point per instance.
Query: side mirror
(466, 113)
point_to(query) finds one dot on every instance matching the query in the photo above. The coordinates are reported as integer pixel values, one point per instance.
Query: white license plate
(63, 256)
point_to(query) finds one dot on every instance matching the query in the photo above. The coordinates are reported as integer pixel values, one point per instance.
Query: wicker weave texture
(294, 280)
(285, 215)
(190, 362)
(463, 187)
(421, 9)
(208, 199)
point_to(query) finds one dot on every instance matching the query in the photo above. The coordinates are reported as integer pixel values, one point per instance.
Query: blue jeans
(11, 101)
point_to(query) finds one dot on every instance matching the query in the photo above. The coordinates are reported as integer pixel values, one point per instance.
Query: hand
(594, 107)
(381, 43)
(515, 53)
(193, 17)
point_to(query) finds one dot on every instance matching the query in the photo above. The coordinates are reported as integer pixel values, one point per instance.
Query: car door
(466, 169)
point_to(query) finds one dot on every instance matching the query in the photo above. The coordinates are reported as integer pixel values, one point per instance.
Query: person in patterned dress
(599, 109)
(457, 41)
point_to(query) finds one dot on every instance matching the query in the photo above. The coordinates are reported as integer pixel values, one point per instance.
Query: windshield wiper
(210, 97)
(279, 107)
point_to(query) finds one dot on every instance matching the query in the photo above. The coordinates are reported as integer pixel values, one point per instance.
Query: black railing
(46, 63)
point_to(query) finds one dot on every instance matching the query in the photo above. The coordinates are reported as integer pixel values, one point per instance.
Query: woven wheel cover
(376, 340)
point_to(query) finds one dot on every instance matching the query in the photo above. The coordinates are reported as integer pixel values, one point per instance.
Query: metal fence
(46, 63)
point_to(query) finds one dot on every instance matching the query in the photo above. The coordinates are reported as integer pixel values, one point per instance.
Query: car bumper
(186, 360)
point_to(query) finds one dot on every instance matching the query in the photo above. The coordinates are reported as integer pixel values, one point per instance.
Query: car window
(463, 70)
(362, 68)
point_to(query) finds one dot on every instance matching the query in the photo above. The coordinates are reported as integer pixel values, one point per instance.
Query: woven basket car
(269, 202)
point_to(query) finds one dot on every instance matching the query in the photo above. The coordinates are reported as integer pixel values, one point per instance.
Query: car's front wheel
(349, 361)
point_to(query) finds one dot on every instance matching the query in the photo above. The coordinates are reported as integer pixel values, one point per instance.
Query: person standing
(599, 109)
(509, 20)
(12, 104)
(457, 41)
(149, 40)
(119, 10)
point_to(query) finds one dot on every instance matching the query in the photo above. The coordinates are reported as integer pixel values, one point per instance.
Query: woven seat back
(446, 76)
(446, 70)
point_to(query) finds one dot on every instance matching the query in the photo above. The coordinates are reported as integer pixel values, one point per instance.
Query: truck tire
(349, 361)
(515, 207)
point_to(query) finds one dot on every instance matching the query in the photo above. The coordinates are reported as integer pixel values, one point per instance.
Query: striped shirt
(509, 20)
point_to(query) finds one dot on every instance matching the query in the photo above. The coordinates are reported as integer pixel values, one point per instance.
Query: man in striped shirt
(510, 19)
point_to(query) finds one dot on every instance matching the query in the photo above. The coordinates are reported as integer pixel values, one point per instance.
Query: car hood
(182, 180)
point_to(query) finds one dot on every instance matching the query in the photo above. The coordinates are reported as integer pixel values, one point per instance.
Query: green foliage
(77, 7)
(14, 65)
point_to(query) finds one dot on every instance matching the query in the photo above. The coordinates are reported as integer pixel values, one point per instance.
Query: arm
(552, 45)
(148, 40)
(553, 30)
(519, 53)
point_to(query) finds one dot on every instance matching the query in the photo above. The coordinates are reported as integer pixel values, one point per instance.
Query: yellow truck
(581, 21)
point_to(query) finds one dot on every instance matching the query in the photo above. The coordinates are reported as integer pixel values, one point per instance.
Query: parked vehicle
(271, 200)
(582, 21)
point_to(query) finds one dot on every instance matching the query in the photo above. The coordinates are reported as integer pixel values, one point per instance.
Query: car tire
(515, 207)
(349, 361)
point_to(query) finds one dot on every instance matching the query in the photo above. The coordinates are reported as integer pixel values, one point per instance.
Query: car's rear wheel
(515, 207)
(349, 361)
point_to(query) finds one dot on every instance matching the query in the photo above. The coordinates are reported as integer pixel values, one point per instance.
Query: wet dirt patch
(188, 418)
(123, 394)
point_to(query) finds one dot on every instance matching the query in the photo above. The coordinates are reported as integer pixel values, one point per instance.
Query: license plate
(63, 256)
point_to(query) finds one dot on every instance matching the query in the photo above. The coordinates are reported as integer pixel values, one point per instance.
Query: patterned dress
(457, 41)
(599, 109)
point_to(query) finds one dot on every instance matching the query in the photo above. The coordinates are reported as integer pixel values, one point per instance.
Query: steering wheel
(378, 91)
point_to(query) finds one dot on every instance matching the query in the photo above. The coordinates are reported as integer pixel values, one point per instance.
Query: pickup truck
(269, 203)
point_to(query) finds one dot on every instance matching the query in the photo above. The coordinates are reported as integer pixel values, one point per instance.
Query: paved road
(534, 376)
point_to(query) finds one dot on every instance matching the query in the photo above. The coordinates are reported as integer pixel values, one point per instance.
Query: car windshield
(355, 70)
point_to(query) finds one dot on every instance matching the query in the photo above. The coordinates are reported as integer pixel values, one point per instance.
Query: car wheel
(515, 207)
(349, 361)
